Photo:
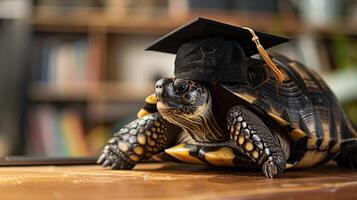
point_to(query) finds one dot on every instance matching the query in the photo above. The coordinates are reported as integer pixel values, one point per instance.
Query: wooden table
(173, 181)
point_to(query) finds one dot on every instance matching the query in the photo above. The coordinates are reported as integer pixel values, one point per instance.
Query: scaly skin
(252, 136)
(138, 141)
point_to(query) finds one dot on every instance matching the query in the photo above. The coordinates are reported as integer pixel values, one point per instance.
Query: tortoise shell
(303, 105)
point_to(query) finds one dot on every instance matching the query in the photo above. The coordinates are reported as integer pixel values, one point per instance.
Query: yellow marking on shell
(151, 99)
(296, 134)
(155, 135)
(247, 97)
(157, 123)
(255, 154)
(336, 148)
(142, 113)
(249, 146)
(221, 157)
(311, 143)
(138, 150)
(278, 119)
(290, 165)
(181, 153)
(311, 158)
(241, 140)
(123, 146)
(134, 157)
(326, 136)
(297, 67)
(141, 139)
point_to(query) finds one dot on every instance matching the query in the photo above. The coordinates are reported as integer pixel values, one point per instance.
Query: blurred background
(75, 71)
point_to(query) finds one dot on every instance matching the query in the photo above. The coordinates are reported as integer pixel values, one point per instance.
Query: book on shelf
(64, 62)
(58, 132)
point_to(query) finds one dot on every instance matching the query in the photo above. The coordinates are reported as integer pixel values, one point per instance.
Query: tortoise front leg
(138, 141)
(253, 138)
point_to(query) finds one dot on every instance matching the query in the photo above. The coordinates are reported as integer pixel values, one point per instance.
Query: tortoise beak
(161, 88)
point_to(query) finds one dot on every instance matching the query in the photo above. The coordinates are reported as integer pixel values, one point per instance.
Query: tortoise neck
(203, 126)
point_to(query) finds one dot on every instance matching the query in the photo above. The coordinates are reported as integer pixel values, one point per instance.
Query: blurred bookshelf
(90, 73)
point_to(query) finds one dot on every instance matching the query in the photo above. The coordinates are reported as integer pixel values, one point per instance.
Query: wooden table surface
(173, 181)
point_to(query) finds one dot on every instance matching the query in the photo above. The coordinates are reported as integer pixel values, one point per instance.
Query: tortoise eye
(182, 88)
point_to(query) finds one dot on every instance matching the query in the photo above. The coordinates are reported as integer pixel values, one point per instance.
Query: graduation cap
(211, 51)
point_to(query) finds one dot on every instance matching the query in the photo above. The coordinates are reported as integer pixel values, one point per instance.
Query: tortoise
(270, 113)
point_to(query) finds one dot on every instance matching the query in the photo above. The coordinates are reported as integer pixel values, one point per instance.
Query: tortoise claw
(272, 168)
(113, 158)
(101, 158)
(106, 163)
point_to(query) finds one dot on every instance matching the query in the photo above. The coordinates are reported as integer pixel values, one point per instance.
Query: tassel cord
(277, 73)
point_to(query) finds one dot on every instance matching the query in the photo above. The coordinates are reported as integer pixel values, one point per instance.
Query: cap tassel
(277, 73)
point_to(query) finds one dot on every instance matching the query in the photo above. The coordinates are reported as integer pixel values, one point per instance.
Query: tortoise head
(188, 104)
(180, 96)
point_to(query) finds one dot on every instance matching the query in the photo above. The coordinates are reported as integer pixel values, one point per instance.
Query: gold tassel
(277, 73)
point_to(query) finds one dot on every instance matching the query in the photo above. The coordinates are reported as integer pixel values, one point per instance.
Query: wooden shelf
(97, 92)
(97, 21)
(86, 21)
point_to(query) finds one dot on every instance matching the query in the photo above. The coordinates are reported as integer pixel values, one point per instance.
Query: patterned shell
(303, 104)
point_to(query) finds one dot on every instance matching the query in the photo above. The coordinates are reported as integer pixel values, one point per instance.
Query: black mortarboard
(212, 51)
